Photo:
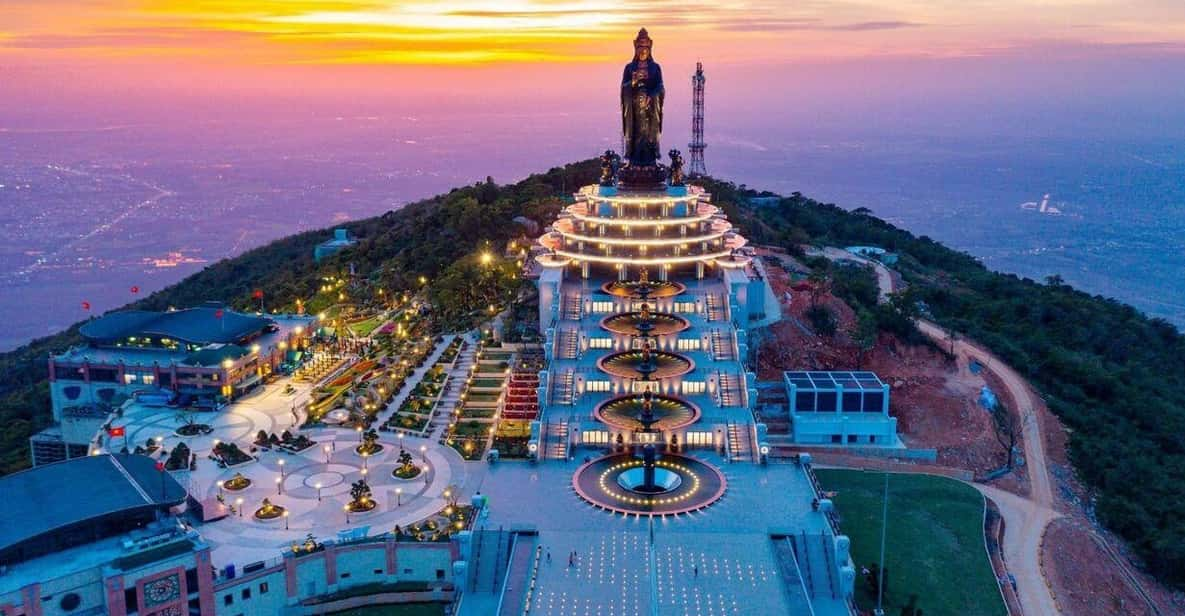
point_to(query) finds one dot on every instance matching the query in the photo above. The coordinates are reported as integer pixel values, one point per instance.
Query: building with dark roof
(98, 535)
(839, 408)
(206, 356)
(53, 507)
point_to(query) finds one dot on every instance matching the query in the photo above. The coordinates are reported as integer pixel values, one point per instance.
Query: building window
(851, 438)
(345, 575)
(228, 599)
(246, 593)
(836, 438)
(688, 344)
(694, 387)
(263, 588)
(440, 574)
(148, 379)
(602, 306)
(596, 437)
(642, 386)
(597, 386)
(407, 572)
(128, 379)
(600, 343)
(686, 307)
(698, 438)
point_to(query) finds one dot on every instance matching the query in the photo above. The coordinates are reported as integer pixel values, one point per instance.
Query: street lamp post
(326, 448)
(318, 491)
(365, 459)
(358, 429)
(220, 484)
(347, 510)
(239, 506)
(279, 485)
(424, 453)
(281, 469)
(398, 496)
(401, 435)
(880, 573)
(285, 519)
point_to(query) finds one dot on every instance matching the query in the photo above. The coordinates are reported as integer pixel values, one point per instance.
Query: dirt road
(1025, 519)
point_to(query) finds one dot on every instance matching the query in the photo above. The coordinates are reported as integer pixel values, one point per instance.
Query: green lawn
(363, 328)
(934, 547)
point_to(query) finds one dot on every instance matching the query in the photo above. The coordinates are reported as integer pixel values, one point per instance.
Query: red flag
(86, 305)
(258, 294)
(135, 289)
(160, 466)
(218, 314)
(115, 431)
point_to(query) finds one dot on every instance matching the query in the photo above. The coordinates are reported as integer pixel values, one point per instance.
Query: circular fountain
(649, 485)
(644, 323)
(638, 290)
(647, 411)
(643, 287)
(645, 364)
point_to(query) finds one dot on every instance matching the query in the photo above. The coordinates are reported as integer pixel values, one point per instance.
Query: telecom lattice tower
(697, 145)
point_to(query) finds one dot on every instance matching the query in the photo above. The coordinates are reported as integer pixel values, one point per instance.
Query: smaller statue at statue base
(650, 177)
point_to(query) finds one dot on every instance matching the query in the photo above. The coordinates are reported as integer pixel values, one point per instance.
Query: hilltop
(1107, 371)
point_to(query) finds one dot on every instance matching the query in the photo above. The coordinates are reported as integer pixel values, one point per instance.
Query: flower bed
(412, 472)
(229, 454)
(408, 421)
(511, 446)
(478, 412)
(193, 429)
(488, 383)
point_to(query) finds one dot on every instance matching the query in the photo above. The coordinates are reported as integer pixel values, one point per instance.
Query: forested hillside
(1113, 375)
(421, 239)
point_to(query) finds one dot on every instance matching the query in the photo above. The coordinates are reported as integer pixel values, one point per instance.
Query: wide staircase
(555, 440)
(522, 393)
(730, 389)
(491, 553)
(567, 344)
(715, 305)
(814, 553)
(563, 390)
(793, 575)
(740, 442)
(721, 346)
(570, 307)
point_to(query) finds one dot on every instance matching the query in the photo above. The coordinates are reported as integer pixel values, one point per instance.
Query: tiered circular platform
(682, 485)
(653, 324)
(631, 365)
(656, 289)
(640, 228)
(624, 412)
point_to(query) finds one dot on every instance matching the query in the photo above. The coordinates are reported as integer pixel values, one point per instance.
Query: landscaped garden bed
(487, 383)
(229, 454)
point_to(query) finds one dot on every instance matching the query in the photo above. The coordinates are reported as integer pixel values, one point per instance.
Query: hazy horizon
(222, 132)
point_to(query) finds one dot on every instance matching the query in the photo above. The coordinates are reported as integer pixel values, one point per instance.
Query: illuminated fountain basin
(626, 412)
(639, 289)
(633, 364)
(681, 484)
(644, 324)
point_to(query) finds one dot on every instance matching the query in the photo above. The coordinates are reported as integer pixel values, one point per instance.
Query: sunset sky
(245, 32)
(120, 53)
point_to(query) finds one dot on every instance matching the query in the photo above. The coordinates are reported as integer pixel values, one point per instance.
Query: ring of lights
(699, 485)
(626, 323)
(658, 288)
(624, 364)
(670, 413)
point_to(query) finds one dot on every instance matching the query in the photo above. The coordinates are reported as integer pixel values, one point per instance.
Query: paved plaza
(718, 561)
(290, 480)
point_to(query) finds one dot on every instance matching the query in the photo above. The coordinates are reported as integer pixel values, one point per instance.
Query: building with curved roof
(206, 324)
(53, 507)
